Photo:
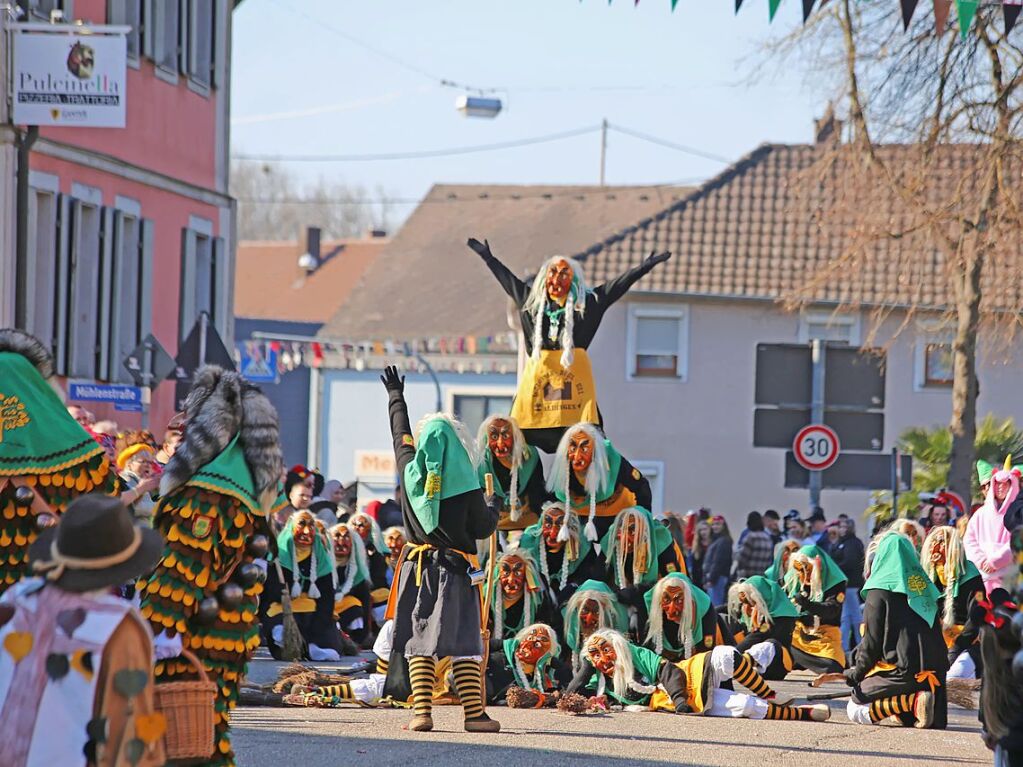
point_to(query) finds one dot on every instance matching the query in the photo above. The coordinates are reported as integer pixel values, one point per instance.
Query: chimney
(375, 234)
(828, 129)
(312, 242)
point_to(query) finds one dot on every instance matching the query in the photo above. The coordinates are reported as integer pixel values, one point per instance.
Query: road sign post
(148, 364)
(816, 412)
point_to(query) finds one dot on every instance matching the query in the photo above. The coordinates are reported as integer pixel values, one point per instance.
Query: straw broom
(292, 646)
(488, 481)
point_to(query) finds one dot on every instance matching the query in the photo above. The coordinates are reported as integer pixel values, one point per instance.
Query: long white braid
(643, 540)
(596, 474)
(624, 677)
(570, 531)
(527, 595)
(567, 342)
(520, 673)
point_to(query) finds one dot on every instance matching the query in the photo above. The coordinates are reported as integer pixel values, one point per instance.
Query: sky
(303, 84)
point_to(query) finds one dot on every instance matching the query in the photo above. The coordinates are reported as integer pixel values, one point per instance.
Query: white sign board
(69, 79)
(375, 464)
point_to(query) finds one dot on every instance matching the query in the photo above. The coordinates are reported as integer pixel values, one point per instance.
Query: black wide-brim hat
(98, 546)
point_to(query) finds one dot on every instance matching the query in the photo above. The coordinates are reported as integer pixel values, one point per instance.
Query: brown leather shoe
(482, 724)
(421, 723)
(923, 710)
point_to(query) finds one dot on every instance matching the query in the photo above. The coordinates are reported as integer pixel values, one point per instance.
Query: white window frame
(929, 331)
(654, 473)
(190, 18)
(457, 390)
(638, 311)
(153, 43)
(67, 6)
(851, 320)
(78, 346)
(43, 185)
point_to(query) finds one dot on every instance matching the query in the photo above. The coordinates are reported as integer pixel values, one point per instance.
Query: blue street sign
(124, 398)
(257, 367)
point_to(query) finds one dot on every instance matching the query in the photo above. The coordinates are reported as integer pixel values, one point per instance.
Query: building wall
(353, 415)
(702, 428)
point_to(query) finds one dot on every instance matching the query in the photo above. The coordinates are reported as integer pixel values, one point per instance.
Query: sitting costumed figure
(436, 607)
(529, 661)
(517, 472)
(520, 597)
(46, 458)
(682, 619)
(961, 588)
(816, 585)
(305, 569)
(591, 608)
(215, 493)
(640, 679)
(377, 552)
(560, 316)
(899, 666)
(767, 620)
(565, 557)
(639, 552)
(593, 479)
(394, 537)
(352, 599)
(987, 537)
(782, 552)
(912, 530)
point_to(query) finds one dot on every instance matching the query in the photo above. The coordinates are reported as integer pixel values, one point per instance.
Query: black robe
(629, 478)
(584, 328)
(590, 568)
(317, 627)
(963, 602)
(829, 611)
(893, 633)
(531, 498)
(709, 631)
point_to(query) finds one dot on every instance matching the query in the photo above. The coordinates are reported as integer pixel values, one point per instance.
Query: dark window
(128, 13)
(166, 32)
(938, 365)
(200, 41)
(473, 409)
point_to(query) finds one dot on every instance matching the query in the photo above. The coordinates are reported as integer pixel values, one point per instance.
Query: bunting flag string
(965, 11)
(908, 6)
(1010, 11)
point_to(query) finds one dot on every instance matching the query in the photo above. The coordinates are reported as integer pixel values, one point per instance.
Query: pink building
(130, 230)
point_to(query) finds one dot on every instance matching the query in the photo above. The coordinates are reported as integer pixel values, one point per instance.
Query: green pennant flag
(772, 8)
(965, 11)
(673, 4)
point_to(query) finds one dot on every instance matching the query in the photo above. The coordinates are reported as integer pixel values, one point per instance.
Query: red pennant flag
(807, 9)
(908, 6)
(941, 9)
(1010, 10)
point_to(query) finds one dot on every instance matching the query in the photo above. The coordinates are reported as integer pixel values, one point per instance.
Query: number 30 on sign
(816, 447)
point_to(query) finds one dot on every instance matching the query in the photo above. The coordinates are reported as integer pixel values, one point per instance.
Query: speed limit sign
(816, 447)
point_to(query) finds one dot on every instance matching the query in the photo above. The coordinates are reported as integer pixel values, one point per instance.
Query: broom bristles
(962, 692)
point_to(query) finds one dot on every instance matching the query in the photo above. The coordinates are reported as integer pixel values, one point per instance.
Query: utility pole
(816, 412)
(603, 149)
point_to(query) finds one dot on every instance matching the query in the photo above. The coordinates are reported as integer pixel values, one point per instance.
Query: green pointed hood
(774, 572)
(37, 434)
(286, 552)
(831, 573)
(897, 568)
(525, 471)
(543, 666)
(660, 540)
(702, 605)
(778, 603)
(440, 469)
(620, 616)
(610, 483)
(229, 474)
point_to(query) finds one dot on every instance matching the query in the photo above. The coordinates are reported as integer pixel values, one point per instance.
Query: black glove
(657, 258)
(802, 600)
(392, 381)
(628, 595)
(481, 248)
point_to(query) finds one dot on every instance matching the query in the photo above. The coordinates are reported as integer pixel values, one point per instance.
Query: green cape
(525, 471)
(229, 474)
(646, 664)
(660, 540)
(37, 434)
(614, 465)
(778, 603)
(832, 574)
(702, 605)
(286, 556)
(531, 540)
(544, 665)
(440, 469)
(897, 568)
(969, 573)
(621, 621)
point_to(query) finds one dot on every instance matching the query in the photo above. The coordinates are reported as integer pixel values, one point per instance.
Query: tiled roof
(781, 223)
(428, 283)
(270, 285)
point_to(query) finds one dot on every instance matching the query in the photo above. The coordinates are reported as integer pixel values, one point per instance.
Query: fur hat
(29, 347)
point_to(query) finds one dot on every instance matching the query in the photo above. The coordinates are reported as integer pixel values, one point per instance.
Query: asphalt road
(354, 737)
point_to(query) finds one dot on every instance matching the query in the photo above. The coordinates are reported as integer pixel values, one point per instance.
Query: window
(40, 9)
(128, 13)
(131, 272)
(199, 59)
(473, 409)
(932, 357)
(657, 341)
(938, 365)
(163, 34)
(829, 326)
(203, 277)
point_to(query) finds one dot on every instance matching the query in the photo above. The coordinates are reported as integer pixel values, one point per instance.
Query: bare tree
(921, 199)
(273, 204)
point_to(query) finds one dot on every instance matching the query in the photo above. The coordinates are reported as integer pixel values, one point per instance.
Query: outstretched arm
(614, 289)
(516, 289)
(401, 430)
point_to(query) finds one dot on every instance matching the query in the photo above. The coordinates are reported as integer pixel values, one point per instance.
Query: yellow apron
(619, 501)
(825, 642)
(951, 634)
(552, 397)
(694, 668)
(528, 518)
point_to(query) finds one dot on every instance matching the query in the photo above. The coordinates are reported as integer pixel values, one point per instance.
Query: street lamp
(478, 106)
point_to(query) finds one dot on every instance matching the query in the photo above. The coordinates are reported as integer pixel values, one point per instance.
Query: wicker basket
(188, 707)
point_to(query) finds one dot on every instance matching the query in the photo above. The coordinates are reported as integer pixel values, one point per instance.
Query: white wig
(624, 678)
(912, 530)
(356, 561)
(686, 626)
(569, 534)
(954, 567)
(530, 589)
(463, 433)
(296, 583)
(606, 614)
(523, 679)
(761, 612)
(520, 452)
(596, 475)
(375, 534)
(536, 303)
(643, 556)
